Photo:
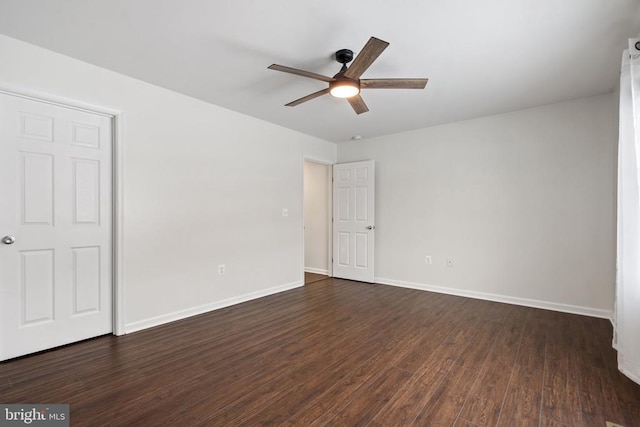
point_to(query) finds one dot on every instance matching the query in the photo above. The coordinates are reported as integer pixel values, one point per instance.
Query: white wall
(316, 217)
(203, 186)
(524, 203)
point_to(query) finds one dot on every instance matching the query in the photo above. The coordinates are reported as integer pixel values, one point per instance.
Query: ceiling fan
(347, 83)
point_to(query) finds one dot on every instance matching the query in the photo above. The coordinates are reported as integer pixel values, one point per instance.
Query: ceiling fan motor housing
(344, 56)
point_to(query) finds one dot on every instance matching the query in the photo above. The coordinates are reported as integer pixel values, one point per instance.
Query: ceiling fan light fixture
(346, 84)
(344, 88)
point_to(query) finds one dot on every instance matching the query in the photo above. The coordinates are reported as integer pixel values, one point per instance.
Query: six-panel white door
(354, 220)
(55, 185)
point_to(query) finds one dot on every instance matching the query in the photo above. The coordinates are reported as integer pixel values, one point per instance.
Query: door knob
(8, 240)
(371, 227)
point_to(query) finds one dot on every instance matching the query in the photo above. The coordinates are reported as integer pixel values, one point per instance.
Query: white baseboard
(183, 314)
(564, 308)
(316, 270)
(630, 369)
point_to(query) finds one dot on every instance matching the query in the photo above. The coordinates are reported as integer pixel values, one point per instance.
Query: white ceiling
(481, 57)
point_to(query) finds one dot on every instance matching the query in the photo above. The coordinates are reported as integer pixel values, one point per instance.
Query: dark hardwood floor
(341, 353)
(313, 277)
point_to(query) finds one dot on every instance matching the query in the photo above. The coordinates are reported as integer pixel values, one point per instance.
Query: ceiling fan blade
(365, 58)
(358, 104)
(393, 83)
(307, 98)
(300, 72)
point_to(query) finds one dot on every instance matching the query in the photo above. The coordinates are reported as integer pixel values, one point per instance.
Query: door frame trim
(117, 187)
(329, 212)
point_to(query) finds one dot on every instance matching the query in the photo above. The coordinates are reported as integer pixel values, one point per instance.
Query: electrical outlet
(428, 260)
(285, 212)
(221, 269)
(450, 262)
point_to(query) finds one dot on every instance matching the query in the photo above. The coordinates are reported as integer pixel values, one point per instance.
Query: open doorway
(317, 221)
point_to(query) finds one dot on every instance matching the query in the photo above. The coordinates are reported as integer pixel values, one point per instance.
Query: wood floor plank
(625, 390)
(322, 409)
(523, 399)
(586, 343)
(372, 397)
(546, 422)
(485, 400)
(336, 352)
(475, 353)
(463, 423)
(531, 353)
(313, 277)
(446, 403)
(422, 347)
(403, 407)
(308, 388)
(598, 404)
(560, 391)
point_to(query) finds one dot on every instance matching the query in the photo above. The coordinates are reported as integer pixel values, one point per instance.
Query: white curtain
(627, 311)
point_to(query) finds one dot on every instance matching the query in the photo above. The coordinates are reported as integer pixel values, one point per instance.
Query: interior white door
(55, 216)
(354, 220)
